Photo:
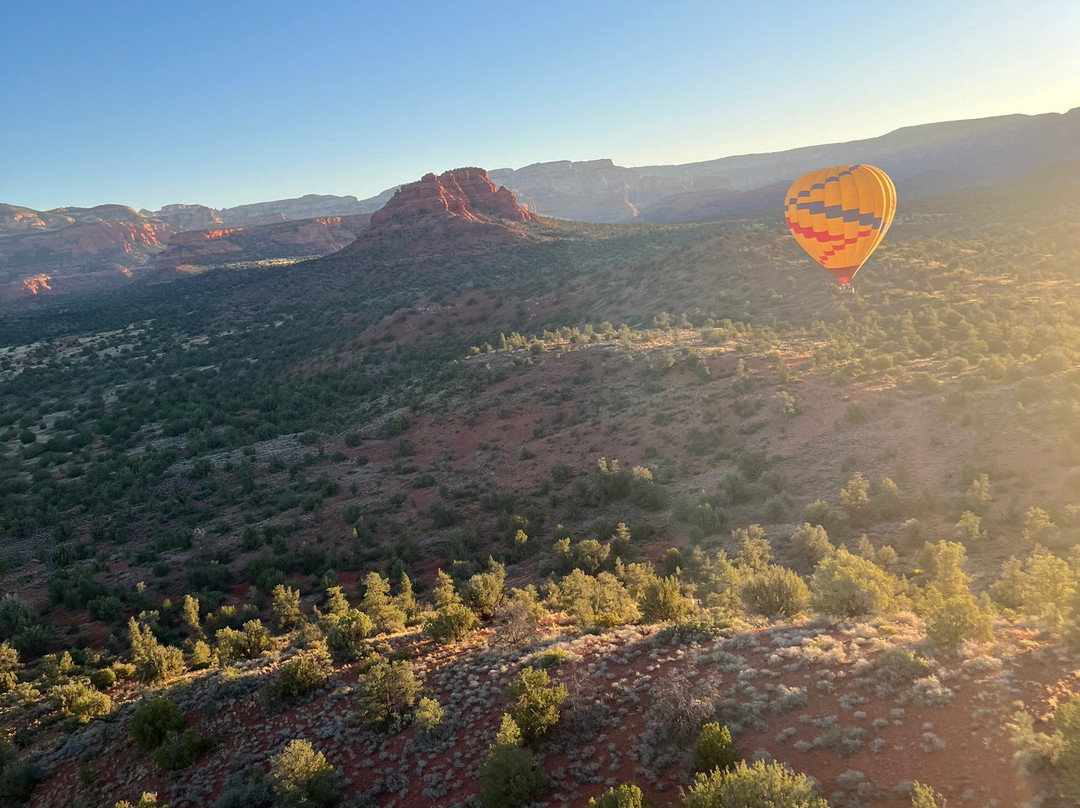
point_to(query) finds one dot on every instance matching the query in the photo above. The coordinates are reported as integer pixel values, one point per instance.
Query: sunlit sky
(223, 103)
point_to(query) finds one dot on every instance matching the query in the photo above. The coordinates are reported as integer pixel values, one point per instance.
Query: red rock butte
(466, 193)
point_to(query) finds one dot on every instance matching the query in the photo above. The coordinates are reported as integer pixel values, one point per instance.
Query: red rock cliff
(464, 192)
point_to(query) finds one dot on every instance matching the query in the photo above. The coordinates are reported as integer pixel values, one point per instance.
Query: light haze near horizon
(236, 102)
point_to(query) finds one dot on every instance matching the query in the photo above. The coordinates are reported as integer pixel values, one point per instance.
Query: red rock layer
(466, 193)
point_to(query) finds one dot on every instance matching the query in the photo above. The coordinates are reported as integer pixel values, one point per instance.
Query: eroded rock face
(292, 239)
(464, 192)
(458, 212)
(188, 217)
(593, 190)
(97, 246)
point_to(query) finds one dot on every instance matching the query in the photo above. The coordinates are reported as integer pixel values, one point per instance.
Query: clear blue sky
(146, 103)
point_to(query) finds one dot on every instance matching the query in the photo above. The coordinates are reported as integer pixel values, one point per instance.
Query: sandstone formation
(186, 217)
(460, 211)
(292, 239)
(74, 248)
(592, 190)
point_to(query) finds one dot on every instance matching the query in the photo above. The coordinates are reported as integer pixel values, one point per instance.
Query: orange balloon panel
(839, 215)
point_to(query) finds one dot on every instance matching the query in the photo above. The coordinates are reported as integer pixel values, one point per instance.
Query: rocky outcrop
(311, 206)
(97, 246)
(592, 190)
(454, 217)
(464, 193)
(293, 239)
(186, 217)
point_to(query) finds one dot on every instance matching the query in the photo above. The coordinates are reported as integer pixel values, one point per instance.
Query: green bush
(900, 667)
(714, 749)
(103, 679)
(925, 797)
(18, 779)
(154, 720)
(428, 718)
(956, 620)
(663, 600)
(776, 591)
(849, 586)
(302, 777)
(626, 795)
(178, 750)
(9, 667)
(386, 690)
(347, 633)
(809, 546)
(534, 702)
(301, 676)
(742, 786)
(450, 623)
(510, 776)
(76, 700)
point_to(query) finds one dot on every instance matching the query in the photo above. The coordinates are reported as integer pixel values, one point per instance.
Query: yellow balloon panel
(839, 215)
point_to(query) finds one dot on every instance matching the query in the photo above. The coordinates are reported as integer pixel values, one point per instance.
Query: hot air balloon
(839, 215)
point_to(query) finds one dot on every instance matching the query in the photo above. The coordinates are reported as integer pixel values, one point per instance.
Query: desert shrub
(106, 608)
(76, 700)
(899, 666)
(1009, 589)
(681, 708)
(714, 749)
(347, 633)
(600, 601)
(380, 607)
(103, 679)
(849, 586)
(534, 703)
(153, 662)
(842, 741)
(153, 720)
(626, 795)
(510, 776)
(301, 676)
(855, 497)
(925, 797)
(663, 600)
(285, 607)
(10, 667)
(776, 591)
(302, 777)
(18, 778)
(451, 622)
(956, 620)
(179, 750)
(385, 691)
(743, 786)
(1049, 586)
(148, 799)
(1034, 752)
(201, 656)
(517, 621)
(248, 643)
(809, 546)
(696, 628)
(1067, 721)
(16, 614)
(428, 718)
(969, 527)
(486, 591)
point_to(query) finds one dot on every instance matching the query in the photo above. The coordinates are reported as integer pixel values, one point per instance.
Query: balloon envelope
(839, 215)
